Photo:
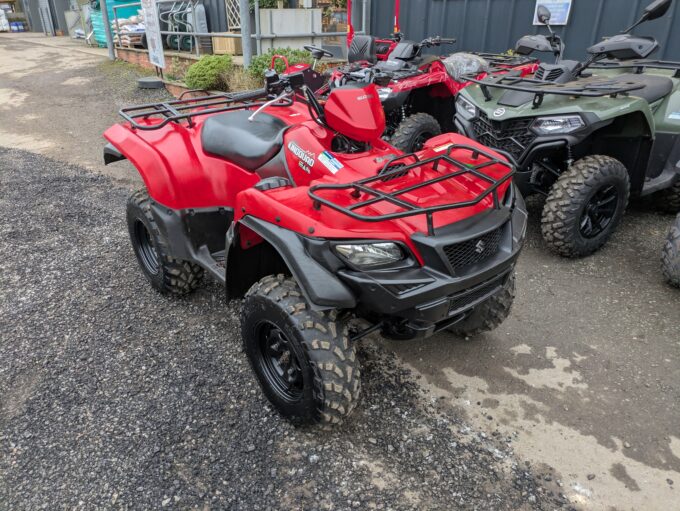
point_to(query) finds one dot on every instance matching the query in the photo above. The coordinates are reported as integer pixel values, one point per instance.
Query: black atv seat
(656, 87)
(248, 144)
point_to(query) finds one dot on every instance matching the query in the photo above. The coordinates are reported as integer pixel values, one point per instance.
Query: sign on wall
(154, 39)
(559, 11)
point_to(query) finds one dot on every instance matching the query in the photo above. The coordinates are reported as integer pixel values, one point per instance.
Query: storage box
(227, 45)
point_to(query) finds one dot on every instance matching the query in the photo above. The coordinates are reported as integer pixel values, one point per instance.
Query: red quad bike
(307, 213)
(418, 91)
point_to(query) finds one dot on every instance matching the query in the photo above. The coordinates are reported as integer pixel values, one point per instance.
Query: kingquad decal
(306, 158)
(330, 162)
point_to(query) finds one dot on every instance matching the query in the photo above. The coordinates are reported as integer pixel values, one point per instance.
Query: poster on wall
(154, 39)
(559, 11)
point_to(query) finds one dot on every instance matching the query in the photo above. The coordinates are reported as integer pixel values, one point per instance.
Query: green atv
(670, 257)
(586, 135)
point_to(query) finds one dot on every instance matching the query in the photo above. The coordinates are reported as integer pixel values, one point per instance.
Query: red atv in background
(306, 212)
(418, 91)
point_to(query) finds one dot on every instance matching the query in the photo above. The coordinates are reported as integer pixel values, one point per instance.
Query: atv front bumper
(420, 301)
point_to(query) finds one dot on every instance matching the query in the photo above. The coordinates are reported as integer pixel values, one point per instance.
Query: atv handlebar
(437, 41)
(250, 94)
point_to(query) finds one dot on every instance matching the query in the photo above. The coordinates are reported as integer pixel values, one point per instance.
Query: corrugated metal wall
(495, 25)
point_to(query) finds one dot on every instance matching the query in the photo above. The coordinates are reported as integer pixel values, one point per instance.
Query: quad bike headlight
(557, 124)
(368, 255)
(465, 108)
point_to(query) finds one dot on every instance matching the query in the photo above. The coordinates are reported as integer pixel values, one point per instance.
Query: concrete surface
(584, 375)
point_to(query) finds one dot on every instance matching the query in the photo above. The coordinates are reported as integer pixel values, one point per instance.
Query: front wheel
(670, 257)
(489, 314)
(302, 358)
(585, 205)
(414, 131)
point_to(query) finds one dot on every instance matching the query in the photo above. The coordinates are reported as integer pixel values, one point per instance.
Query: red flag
(350, 27)
(396, 16)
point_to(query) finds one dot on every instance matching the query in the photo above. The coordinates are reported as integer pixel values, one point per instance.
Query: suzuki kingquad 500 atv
(418, 91)
(306, 212)
(585, 134)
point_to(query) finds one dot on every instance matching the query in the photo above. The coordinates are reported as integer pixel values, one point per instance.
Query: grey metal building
(495, 25)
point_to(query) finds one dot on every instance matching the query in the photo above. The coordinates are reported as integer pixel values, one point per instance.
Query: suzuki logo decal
(480, 246)
(499, 112)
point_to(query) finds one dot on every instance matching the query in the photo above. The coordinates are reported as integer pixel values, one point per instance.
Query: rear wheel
(585, 205)
(670, 257)
(489, 314)
(165, 273)
(302, 358)
(414, 131)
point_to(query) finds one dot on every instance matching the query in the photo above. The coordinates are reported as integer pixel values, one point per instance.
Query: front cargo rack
(185, 109)
(578, 88)
(394, 169)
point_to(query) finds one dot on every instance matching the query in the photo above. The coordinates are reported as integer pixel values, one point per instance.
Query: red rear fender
(152, 167)
(175, 169)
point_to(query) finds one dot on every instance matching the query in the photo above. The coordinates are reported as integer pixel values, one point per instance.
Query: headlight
(384, 93)
(465, 108)
(557, 124)
(366, 255)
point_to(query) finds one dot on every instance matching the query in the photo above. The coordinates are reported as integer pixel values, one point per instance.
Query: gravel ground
(113, 396)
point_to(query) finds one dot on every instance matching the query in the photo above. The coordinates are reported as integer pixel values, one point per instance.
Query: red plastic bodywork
(179, 175)
(357, 113)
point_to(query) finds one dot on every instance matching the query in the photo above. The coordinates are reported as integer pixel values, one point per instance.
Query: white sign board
(154, 39)
(559, 11)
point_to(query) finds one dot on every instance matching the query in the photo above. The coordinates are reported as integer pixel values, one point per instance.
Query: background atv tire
(489, 314)
(302, 358)
(575, 199)
(414, 131)
(670, 257)
(166, 273)
(669, 200)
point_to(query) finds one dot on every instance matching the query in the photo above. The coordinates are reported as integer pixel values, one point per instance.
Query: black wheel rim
(599, 212)
(145, 249)
(280, 366)
(420, 140)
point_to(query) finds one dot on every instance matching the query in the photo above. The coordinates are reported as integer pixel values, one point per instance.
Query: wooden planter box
(227, 45)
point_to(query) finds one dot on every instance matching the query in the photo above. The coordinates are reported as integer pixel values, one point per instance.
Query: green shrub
(210, 72)
(262, 62)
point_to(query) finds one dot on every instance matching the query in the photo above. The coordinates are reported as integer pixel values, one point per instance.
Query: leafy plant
(266, 4)
(210, 72)
(261, 63)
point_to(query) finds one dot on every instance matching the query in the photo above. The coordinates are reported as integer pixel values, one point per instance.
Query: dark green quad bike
(586, 135)
(670, 257)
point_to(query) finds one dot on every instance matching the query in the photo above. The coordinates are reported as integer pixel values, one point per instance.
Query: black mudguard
(321, 288)
(111, 154)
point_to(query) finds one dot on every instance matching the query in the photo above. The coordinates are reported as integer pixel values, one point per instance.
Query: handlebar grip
(247, 95)
(448, 41)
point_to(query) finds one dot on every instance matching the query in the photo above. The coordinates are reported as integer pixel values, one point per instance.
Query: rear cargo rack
(639, 65)
(501, 59)
(592, 89)
(185, 109)
(393, 169)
